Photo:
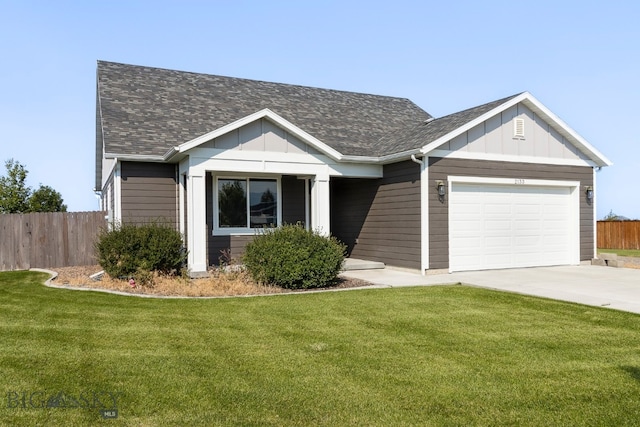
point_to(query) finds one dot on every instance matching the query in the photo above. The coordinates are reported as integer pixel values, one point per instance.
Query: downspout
(415, 159)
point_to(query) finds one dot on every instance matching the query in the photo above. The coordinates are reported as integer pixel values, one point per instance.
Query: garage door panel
(497, 226)
(527, 224)
(496, 242)
(527, 244)
(507, 226)
(497, 260)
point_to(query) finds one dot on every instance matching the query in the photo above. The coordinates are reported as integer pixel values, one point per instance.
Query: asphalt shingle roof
(147, 111)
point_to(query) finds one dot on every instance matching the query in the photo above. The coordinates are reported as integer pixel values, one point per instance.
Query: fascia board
(135, 157)
(360, 159)
(526, 98)
(403, 155)
(389, 158)
(265, 113)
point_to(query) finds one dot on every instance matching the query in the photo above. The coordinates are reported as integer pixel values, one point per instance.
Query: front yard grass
(448, 355)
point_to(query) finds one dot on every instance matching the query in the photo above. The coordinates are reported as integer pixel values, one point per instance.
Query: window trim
(239, 231)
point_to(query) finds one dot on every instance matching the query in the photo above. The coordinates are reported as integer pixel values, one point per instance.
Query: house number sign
(519, 181)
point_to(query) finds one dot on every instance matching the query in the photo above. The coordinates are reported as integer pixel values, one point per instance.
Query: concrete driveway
(617, 288)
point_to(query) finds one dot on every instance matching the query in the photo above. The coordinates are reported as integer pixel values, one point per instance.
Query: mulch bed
(218, 284)
(79, 277)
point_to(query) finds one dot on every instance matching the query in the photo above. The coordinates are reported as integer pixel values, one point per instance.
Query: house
(501, 185)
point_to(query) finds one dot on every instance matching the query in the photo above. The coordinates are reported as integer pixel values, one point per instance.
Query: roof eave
(402, 155)
(135, 157)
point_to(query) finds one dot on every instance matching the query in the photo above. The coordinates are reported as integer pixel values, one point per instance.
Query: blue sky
(579, 58)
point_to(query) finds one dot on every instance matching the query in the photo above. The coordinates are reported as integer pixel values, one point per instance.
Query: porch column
(197, 223)
(320, 208)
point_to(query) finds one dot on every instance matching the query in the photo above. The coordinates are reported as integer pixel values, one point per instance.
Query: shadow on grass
(634, 371)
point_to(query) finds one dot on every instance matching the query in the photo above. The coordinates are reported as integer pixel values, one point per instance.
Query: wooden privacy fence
(47, 240)
(619, 234)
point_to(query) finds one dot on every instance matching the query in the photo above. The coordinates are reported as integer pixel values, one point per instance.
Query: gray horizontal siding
(220, 244)
(149, 192)
(379, 219)
(442, 168)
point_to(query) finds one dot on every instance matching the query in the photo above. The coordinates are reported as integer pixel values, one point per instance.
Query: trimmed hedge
(128, 249)
(294, 258)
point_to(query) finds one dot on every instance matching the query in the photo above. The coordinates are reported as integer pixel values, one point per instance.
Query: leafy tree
(46, 199)
(17, 197)
(14, 193)
(611, 216)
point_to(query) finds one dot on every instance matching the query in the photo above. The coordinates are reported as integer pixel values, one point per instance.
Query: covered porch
(257, 172)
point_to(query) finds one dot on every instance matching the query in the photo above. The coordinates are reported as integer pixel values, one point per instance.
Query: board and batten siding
(496, 136)
(442, 168)
(149, 191)
(379, 219)
(293, 212)
(260, 136)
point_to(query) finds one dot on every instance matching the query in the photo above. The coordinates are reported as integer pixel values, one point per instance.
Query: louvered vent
(518, 128)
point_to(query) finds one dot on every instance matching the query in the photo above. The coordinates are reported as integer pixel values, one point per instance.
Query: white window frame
(227, 231)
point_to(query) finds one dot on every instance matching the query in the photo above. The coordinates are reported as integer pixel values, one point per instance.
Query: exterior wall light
(441, 188)
(588, 190)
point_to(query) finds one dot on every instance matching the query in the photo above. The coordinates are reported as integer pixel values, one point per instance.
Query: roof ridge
(245, 79)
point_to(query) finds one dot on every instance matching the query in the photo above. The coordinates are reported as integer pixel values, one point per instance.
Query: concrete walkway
(617, 288)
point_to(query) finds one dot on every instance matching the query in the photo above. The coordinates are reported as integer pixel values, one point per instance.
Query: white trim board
(512, 181)
(508, 158)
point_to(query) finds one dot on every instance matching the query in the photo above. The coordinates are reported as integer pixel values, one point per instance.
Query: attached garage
(509, 223)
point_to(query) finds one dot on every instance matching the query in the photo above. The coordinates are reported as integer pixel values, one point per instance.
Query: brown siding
(440, 168)
(149, 191)
(293, 200)
(379, 219)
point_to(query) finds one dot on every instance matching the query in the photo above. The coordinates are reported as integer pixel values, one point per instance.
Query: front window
(247, 203)
(232, 203)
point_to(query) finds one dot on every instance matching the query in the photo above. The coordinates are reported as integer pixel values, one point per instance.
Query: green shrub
(294, 258)
(129, 250)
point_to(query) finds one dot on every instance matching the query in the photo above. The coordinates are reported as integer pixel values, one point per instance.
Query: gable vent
(518, 128)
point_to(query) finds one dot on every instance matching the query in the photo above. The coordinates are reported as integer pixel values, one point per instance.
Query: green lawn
(449, 355)
(621, 252)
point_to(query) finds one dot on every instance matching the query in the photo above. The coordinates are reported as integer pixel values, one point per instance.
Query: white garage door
(509, 226)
